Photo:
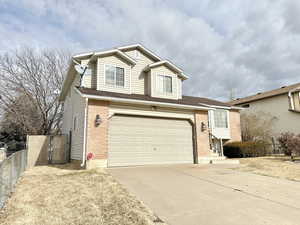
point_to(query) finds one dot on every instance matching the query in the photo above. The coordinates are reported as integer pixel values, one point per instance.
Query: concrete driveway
(212, 194)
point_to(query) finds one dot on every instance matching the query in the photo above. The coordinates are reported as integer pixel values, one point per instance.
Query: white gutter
(142, 102)
(237, 107)
(224, 107)
(217, 106)
(84, 132)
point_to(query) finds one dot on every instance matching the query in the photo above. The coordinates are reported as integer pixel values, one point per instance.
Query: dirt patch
(65, 195)
(275, 166)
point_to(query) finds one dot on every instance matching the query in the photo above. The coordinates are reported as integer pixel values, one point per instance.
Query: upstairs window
(164, 84)
(114, 76)
(220, 118)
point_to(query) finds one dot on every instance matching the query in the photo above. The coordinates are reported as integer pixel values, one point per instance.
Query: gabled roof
(142, 49)
(168, 64)
(267, 94)
(93, 55)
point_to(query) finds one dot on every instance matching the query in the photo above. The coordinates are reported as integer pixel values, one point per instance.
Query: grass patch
(275, 166)
(55, 195)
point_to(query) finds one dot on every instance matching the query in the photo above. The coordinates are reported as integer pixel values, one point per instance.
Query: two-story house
(128, 109)
(282, 105)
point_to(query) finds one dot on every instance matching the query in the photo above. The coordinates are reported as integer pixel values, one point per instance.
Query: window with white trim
(220, 118)
(114, 76)
(164, 84)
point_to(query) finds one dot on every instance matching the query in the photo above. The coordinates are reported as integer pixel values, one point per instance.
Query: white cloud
(246, 45)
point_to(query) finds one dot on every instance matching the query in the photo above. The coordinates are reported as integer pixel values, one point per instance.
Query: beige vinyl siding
(163, 70)
(74, 107)
(89, 81)
(138, 76)
(67, 115)
(113, 61)
(179, 88)
(277, 108)
(296, 99)
(144, 140)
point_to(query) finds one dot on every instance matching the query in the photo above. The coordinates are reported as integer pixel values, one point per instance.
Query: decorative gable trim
(142, 49)
(94, 55)
(169, 65)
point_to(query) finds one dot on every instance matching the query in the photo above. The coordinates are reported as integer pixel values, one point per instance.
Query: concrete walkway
(212, 195)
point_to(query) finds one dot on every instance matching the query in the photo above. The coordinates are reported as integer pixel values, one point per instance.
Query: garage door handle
(154, 149)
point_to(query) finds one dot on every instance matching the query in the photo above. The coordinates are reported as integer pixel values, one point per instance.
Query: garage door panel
(140, 141)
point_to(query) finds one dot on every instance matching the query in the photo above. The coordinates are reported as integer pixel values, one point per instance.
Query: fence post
(274, 146)
(1, 186)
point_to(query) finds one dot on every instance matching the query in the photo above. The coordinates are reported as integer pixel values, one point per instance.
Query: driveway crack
(235, 189)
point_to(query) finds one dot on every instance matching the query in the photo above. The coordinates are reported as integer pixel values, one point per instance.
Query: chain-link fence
(10, 170)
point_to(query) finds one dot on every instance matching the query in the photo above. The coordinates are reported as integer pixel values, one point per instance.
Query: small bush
(289, 143)
(244, 149)
(283, 140)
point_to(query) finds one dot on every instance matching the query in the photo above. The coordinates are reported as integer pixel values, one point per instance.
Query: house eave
(143, 102)
(168, 64)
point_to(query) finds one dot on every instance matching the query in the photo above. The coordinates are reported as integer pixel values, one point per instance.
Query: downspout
(291, 100)
(195, 146)
(84, 132)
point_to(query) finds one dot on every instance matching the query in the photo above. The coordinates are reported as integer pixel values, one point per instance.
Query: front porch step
(217, 160)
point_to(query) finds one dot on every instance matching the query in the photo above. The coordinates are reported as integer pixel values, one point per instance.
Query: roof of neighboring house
(186, 100)
(263, 95)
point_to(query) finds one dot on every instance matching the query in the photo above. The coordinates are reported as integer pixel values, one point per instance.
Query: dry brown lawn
(275, 166)
(60, 195)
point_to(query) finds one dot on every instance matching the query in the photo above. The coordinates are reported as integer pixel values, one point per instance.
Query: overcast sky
(245, 45)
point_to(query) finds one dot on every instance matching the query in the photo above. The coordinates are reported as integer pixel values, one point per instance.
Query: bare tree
(257, 126)
(30, 82)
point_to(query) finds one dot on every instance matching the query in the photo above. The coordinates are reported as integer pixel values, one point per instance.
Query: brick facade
(235, 125)
(202, 136)
(97, 136)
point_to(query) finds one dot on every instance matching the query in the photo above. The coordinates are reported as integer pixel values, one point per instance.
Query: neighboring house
(282, 105)
(129, 110)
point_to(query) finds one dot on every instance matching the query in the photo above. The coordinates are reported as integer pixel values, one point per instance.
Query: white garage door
(142, 140)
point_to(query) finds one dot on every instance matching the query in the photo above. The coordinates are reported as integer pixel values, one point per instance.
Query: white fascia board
(83, 55)
(142, 48)
(142, 102)
(185, 77)
(165, 62)
(217, 106)
(115, 51)
(174, 67)
(223, 107)
(65, 83)
(237, 107)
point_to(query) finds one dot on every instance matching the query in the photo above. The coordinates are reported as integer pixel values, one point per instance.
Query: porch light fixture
(98, 120)
(203, 127)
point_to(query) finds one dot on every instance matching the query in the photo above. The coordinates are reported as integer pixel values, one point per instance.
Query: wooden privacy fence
(47, 149)
(11, 169)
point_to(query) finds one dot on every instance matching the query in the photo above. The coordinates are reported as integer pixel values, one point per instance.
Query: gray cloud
(247, 45)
